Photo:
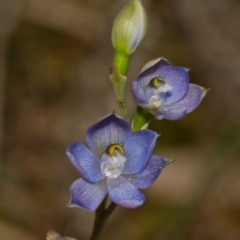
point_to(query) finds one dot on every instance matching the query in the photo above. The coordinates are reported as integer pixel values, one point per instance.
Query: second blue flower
(165, 91)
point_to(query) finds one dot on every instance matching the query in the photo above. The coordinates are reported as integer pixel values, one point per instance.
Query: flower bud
(129, 28)
(52, 235)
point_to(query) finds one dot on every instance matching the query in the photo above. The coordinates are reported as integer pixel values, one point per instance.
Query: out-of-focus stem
(101, 218)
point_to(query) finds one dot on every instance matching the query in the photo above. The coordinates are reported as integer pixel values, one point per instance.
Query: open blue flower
(118, 162)
(165, 91)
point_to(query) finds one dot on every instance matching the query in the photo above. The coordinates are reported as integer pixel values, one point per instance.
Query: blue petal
(85, 162)
(138, 150)
(138, 93)
(151, 70)
(177, 82)
(193, 97)
(123, 193)
(87, 195)
(186, 105)
(109, 130)
(174, 113)
(149, 174)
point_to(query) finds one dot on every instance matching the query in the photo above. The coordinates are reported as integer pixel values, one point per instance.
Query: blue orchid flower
(117, 162)
(165, 91)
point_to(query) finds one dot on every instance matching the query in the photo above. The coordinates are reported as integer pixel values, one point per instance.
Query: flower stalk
(121, 61)
(119, 86)
(141, 119)
(101, 217)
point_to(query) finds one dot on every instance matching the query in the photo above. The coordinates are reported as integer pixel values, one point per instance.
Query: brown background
(55, 57)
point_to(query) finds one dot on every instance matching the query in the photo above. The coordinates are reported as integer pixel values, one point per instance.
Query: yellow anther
(111, 149)
(157, 82)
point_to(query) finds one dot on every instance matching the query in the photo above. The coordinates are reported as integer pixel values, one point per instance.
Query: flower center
(159, 93)
(112, 166)
(155, 100)
(113, 148)
(157, 82)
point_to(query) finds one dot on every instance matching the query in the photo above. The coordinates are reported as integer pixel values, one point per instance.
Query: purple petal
(174, 113)
(123, 193)
(138, 93)
(193, 97)
(152, 69)
(149, 174)
(138, 150)
(186, 105)
(87, 195)
(85, 162)
(109, 130)
(177, 82)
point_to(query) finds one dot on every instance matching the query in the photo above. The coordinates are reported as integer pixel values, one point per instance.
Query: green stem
(120, 68)
(124, 111)
(121, 61)
(101, 218)
(142, 119)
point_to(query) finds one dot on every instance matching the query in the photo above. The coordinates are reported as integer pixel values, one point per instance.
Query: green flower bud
(129, 28)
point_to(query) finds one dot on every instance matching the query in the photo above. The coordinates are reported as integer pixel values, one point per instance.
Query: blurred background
(55, 59)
